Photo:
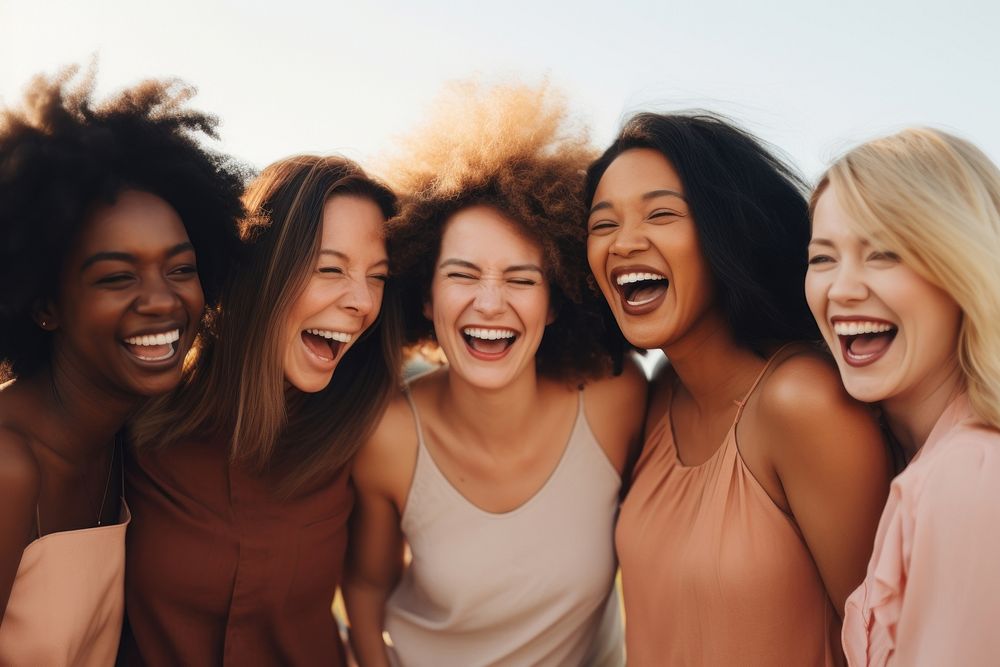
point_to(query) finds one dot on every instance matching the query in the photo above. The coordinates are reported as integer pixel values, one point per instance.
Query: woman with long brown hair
(239, 479)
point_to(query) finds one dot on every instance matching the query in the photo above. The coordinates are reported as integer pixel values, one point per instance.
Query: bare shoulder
(806, 383)
(803, 405)
(385, 463)
(615, 408)
(615, 391)
(20, 474)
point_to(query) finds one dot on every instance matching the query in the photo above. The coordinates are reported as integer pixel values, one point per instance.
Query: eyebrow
(653, 194)
(115, 256)
(469, 265)
(342, 256)
(829, 243)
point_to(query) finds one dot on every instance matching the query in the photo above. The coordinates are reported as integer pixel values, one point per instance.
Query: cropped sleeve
(948, 615)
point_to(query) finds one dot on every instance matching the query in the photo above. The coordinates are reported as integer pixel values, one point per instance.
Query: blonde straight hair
(233, 387)
(934, 199)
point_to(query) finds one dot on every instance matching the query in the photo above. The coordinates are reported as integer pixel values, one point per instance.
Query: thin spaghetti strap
(416, 415)
(38, 520)
(760, 376)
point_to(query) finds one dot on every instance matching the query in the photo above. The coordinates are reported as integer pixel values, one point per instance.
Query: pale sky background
(290, 76)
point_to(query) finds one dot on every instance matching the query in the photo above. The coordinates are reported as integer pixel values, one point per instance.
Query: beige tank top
(533, 586)
(713, 572)
(65, 608)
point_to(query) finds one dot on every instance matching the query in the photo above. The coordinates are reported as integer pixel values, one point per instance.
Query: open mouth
(863, 342)
(325, 343)
(641, 290)
(488, 343)
(153, 347)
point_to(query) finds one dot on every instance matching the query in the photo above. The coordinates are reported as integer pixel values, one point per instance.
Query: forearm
(365, 603)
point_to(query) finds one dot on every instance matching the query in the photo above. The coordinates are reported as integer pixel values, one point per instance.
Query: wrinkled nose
(848, 285)
(628, 241)
(359, 298)
(489, 299)
(158, 297)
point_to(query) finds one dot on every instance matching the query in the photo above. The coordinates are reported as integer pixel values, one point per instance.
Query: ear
(552, 316)
(428, 310)
(44, 315)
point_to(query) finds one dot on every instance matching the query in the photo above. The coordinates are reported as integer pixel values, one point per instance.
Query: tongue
(489, 346)
(321, 347)
(647, 291)
(868, 344)
(149, 351)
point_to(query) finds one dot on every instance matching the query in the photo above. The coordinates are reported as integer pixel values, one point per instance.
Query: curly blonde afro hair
(511, 147)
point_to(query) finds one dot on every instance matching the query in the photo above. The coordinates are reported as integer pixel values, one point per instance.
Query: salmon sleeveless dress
(713, 572)
(66, 605)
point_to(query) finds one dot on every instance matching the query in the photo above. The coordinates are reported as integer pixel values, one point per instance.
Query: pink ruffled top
(932, 592)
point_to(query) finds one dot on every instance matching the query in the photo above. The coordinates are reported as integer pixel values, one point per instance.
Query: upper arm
(382, 473)
(831, 461)
(20, 480)
(615, 408)
(952, 597)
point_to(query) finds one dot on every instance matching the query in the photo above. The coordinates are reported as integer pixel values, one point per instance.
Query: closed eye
(524, 282)
(115, 279)
(820, 259)
(884, 255)
(460, 276)
(330, 269)
(602, 225)
(381, 277)
(664, 213)
(184, 270)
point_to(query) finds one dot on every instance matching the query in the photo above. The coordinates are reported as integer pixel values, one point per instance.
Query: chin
(310, 385)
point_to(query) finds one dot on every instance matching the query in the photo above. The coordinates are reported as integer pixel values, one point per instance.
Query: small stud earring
(43, 324)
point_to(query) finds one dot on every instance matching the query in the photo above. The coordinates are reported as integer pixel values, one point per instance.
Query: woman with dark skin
(113, 221)
(238, 480)
(754, 502)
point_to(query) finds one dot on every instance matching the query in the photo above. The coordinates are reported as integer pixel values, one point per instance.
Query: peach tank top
(533, 586)
(713, 572)
(66, 605)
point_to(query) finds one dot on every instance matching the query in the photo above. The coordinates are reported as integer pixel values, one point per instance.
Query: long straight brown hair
(234, 386)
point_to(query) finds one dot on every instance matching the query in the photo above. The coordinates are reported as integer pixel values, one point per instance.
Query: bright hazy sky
(291, 76)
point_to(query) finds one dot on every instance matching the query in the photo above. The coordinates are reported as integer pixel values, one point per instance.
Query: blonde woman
(904, 266)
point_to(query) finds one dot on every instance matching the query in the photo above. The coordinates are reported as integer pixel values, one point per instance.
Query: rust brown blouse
(221, 572)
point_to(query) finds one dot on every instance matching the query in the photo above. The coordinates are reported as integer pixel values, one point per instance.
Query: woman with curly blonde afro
(502, 469)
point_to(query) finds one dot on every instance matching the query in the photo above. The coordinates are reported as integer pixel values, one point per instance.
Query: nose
(158, 297)
(359, 298)
(489, 299)
(628, 241)
(848, 285)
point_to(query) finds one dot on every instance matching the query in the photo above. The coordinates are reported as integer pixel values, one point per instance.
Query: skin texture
(343, 294)
(495, 428)
(817, 453)
(852, 279)
(132, 272)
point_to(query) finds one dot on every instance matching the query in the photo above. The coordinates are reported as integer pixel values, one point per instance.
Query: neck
(84, 416)
(492, 418)
(911, 416)
(711, 366)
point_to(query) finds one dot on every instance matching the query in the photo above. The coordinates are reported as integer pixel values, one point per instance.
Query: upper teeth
(855, 328)
(333, 335)
(155, 339)
(626, 278)
(488, 334)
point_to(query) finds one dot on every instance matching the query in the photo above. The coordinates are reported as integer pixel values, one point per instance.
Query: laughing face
(894, 334)
(489, 298)
(343, 295)
(643, 250)
(129, 301)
